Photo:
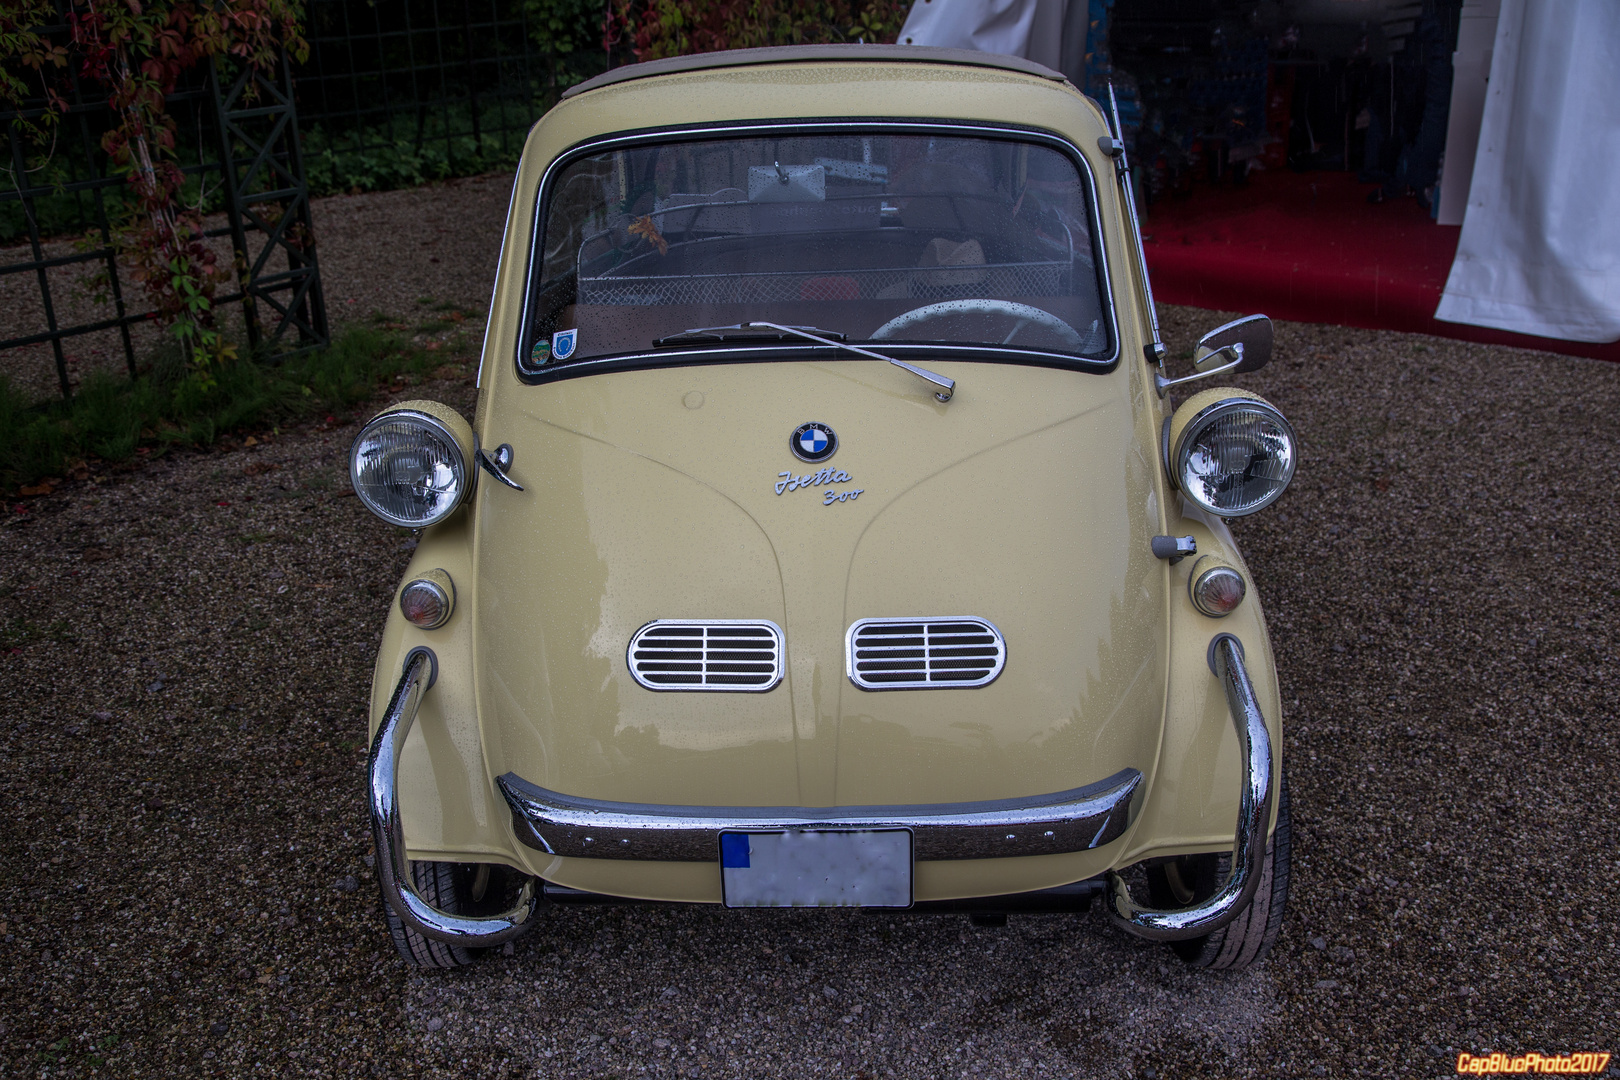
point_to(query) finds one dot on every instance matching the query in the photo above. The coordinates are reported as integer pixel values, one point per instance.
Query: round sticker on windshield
(813, 442)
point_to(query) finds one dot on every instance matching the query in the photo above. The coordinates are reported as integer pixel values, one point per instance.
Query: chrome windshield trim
(854, 125)
(1075, 820)
(1254, 819)
(737, 354)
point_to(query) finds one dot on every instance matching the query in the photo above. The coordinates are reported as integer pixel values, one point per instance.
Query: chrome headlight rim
(1238, 402)
(465, 474)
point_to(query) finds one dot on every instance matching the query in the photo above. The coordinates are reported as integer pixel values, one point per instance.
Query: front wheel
(458, 889)
(1188, 879)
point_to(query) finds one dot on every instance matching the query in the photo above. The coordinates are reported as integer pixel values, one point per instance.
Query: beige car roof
(801, 54)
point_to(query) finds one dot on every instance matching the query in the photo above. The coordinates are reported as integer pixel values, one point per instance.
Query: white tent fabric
(1540, 246)
(1032, 29)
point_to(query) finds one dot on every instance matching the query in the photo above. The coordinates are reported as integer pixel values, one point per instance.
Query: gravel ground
(184, 884)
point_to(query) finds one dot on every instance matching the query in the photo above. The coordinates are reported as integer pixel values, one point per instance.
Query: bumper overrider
(393, 868)
(1079, 819)
(1254, 816)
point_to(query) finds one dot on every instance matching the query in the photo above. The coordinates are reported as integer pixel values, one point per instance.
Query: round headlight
(1234, 455)
(409, 467)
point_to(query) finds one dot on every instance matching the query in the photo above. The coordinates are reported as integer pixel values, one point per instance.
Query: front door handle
(497, 464)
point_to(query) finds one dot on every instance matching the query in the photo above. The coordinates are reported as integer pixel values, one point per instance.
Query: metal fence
(60, 205)
(393, 93)
(402, 90)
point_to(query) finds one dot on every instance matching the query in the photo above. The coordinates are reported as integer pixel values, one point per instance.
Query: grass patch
(114, 418)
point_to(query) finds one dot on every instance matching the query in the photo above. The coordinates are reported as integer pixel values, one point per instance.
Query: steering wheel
(1023, 313)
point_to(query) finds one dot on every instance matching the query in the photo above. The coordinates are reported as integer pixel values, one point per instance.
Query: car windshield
(893, 239)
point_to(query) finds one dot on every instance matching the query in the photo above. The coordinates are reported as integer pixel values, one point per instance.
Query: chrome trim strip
(778, 661)
(1076, 820)
(1254, 818)
(923, 684)
(393, 868)
(1122, 169)
(773, 129)
(1073, 898)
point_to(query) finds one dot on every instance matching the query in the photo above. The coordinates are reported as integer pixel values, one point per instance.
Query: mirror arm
(1235, 350)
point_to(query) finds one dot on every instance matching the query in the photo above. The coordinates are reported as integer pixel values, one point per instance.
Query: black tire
(1246, 940)
(455, 888)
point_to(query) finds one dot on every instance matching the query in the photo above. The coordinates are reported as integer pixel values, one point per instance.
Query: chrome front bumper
(1254, 817)
(1076, 820)
(393, 868)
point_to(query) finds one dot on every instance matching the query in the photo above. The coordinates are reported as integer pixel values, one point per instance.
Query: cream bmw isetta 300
(824, 535)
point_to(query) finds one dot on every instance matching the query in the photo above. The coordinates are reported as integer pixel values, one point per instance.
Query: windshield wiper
(767, 331)
(703, 335)
(947, 387)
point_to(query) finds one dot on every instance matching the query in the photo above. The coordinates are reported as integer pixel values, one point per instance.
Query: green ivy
(659, 28)
(571, 31)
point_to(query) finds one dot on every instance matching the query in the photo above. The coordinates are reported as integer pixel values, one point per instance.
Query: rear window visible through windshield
(884, 238)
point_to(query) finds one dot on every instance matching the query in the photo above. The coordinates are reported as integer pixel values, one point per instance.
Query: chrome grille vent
(923, 654)
(707, 654)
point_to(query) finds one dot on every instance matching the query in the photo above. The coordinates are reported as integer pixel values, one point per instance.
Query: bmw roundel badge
(813, 442)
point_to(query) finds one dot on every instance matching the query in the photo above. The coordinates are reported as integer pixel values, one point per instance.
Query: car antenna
(947, 387)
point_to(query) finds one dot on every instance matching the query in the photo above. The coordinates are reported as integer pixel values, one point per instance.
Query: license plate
(816, 868)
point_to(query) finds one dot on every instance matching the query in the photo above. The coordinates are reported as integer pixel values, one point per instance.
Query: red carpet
(1308, 247)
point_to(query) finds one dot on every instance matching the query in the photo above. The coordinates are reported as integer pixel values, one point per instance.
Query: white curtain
(1540, 247)
(1032, 29)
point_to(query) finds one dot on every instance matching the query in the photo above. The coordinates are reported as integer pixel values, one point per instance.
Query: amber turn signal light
(428, 600)
(1216, 589)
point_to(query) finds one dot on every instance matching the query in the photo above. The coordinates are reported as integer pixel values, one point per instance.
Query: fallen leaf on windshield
(644, 226)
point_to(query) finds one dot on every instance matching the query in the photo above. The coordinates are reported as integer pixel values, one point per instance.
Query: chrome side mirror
(1241, 345)
(1246, 340)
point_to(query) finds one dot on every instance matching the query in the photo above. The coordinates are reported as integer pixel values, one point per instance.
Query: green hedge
(112, 417)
